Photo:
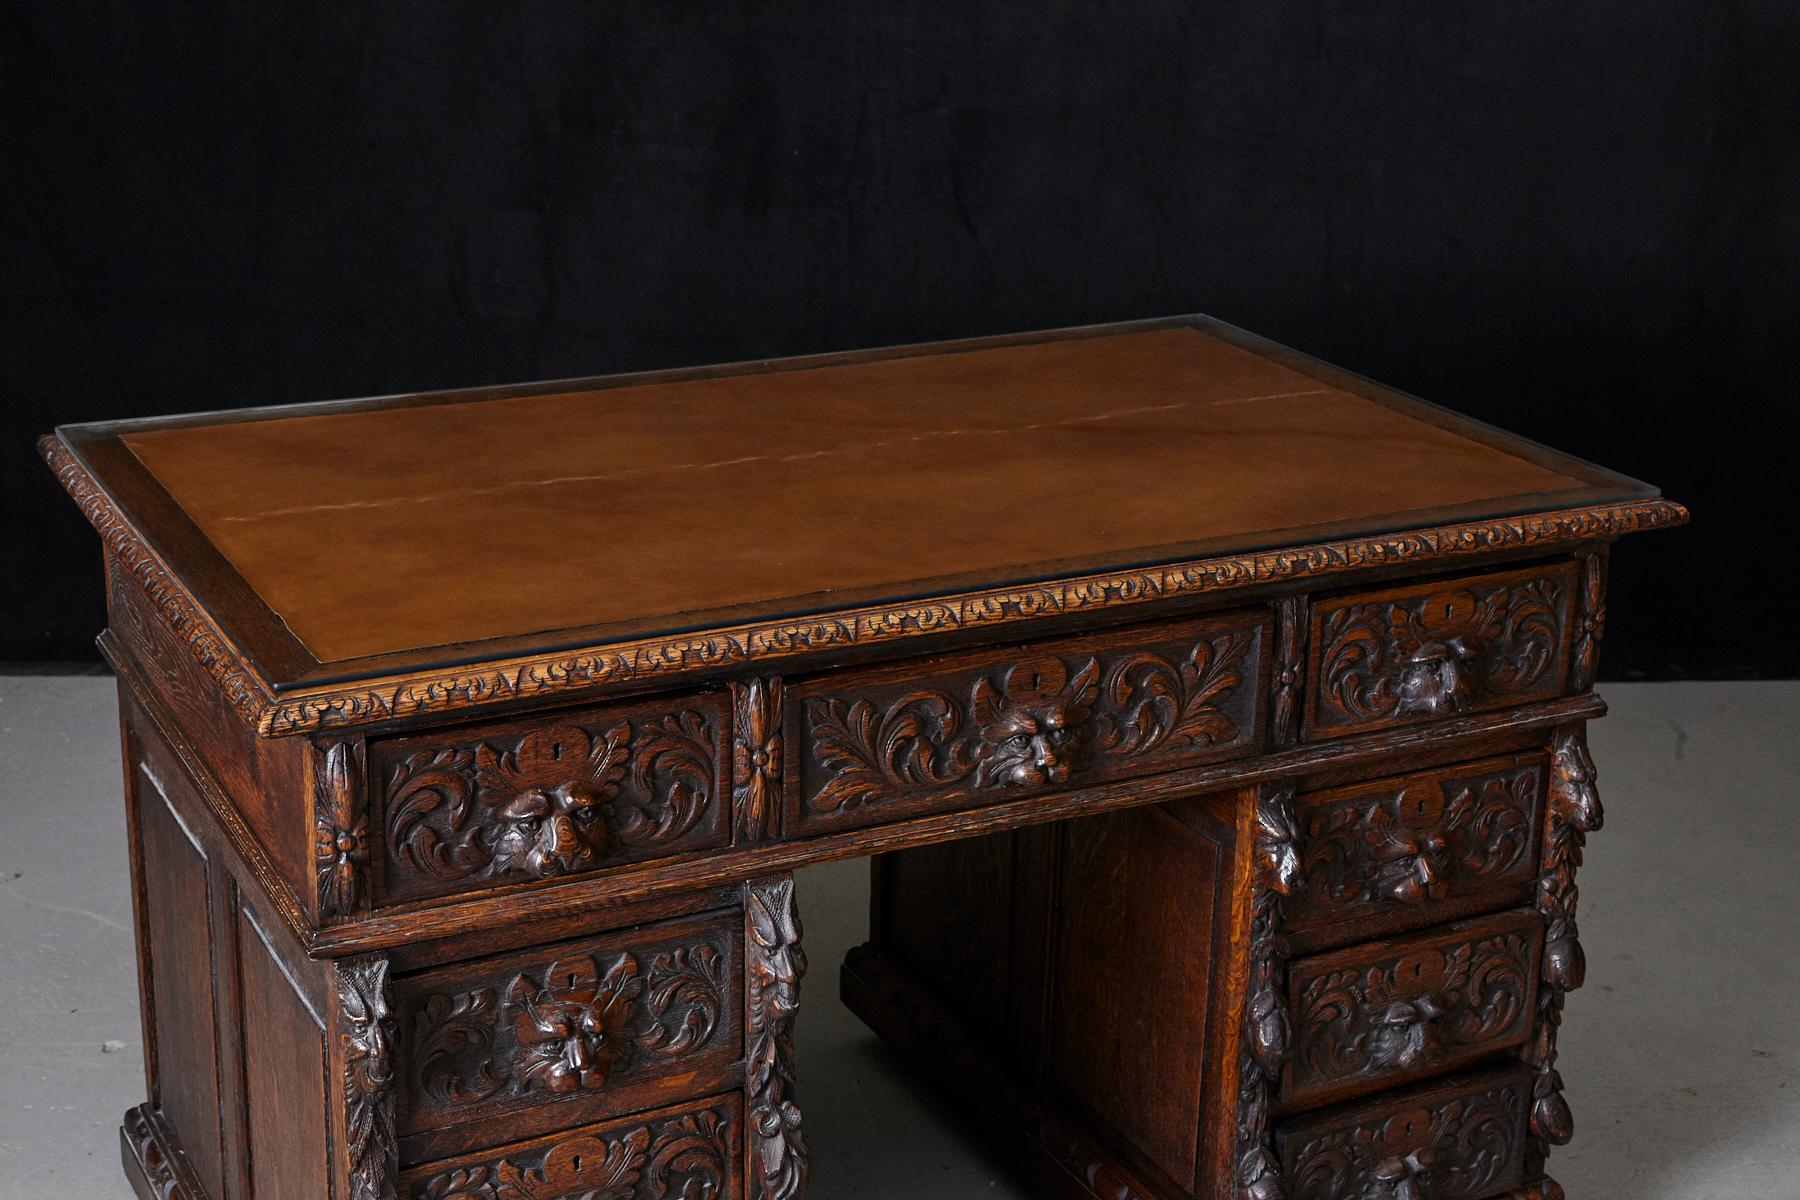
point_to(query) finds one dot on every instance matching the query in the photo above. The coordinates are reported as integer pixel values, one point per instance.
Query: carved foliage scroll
(1421, 1004)
(1266, 1034)
(1435, 650)
(689, 1156)
(1574, 811)
(555, 800)
(774, 964)
(576, 1024)
(1468, 1144)
(365, 1035)
(340, 830)
(1046, 717)
(1412, 842)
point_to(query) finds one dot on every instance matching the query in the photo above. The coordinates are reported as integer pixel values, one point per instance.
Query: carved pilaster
(340, 830)
(756, 757)
(365, 1039)
(1573, 812)
(774, 963)
(1265, 1042)
(1590, 620)
(1290, 669)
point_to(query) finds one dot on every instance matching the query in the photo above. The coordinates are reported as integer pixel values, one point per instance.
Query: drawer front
(692, 1150)
(989, 726)
(1378, 1014)
(555, 795)
(555, 1036)
(1461, 1140)
(1398, 656)
(1407, 851)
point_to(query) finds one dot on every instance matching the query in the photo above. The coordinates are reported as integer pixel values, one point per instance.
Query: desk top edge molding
(665, 660)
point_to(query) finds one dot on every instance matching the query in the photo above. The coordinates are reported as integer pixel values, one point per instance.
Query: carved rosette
(682, 1158)
(340, 831)
(1590, 621)
(756, 757)
(365, 1033)
(1573, 812)
(1290, 669)
(1266, 1034)
(774, 965)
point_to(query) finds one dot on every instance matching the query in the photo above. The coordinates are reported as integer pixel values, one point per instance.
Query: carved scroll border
(660, 658)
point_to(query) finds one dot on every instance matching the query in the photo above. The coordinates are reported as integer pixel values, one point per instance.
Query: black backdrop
(1579, 221)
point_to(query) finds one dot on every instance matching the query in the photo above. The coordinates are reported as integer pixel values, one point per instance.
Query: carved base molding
(154, 1165)
(1060, 1157)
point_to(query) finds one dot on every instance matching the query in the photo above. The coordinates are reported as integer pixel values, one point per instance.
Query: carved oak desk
(1215, 719)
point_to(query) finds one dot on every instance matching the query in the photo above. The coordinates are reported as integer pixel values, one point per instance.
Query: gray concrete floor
(1680, 1054)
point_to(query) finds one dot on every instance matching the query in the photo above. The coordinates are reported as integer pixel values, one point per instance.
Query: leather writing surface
(378, 530)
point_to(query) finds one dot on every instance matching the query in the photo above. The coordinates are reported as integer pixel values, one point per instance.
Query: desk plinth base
(1056, 1152)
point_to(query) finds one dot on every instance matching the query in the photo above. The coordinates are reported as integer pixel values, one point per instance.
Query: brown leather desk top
(368, 537)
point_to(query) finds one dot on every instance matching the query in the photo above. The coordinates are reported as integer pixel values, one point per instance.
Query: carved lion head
(1029, 726)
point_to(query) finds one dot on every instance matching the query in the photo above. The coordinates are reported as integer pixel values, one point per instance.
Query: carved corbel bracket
(774, 964)
(364, 1053)
(1573, 812)
(1266, 1035)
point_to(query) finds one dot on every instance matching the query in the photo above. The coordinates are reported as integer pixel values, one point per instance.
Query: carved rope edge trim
(657, 658)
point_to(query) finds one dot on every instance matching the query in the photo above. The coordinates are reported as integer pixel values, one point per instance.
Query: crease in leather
(748, 459)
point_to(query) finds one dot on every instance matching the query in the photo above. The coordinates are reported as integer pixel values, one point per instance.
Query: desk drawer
(993, 725)
(693, 1150)
(551, 795)
(555, 1036)
(1411, 851)
(1463, 1139)
(1401, 655)
(1386, 1012)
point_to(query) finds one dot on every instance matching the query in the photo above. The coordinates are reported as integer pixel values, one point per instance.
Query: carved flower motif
(340, 852)
(552, 796)
(1029, 727)
(571, 1031)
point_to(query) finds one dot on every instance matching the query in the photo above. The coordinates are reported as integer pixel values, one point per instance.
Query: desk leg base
(1061, 1159)
(153, 1163)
